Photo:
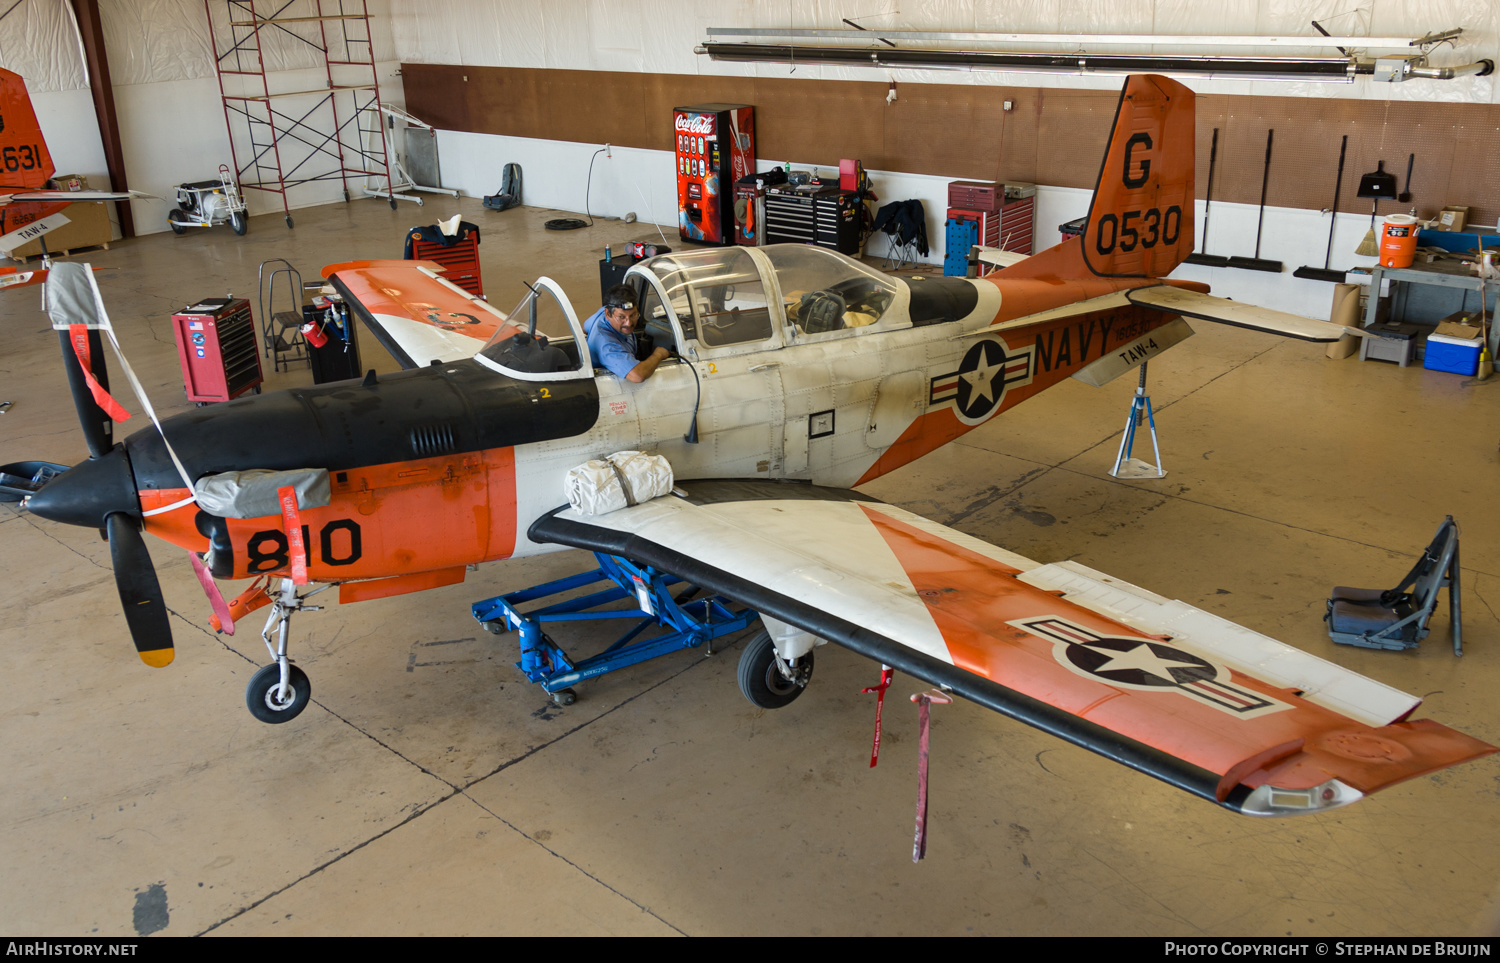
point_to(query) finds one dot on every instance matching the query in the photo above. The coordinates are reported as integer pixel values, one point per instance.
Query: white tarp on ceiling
(157, 41)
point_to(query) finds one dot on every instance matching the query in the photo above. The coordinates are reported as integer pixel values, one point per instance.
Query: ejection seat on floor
(1397, 618)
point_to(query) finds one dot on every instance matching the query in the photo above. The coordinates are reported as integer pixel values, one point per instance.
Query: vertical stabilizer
(24, 161)
(1140, 221)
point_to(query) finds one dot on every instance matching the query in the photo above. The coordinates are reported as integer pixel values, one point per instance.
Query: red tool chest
(217, 347)
(1010, 229)
(460, 256)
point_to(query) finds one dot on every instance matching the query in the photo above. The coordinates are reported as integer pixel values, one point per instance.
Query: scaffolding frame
(345, 49)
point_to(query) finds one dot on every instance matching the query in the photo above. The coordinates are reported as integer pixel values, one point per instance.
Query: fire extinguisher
(313, 332)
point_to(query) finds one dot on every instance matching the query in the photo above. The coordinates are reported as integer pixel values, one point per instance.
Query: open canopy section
(541, 339)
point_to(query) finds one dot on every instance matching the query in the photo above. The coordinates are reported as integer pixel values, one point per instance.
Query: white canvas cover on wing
(609, 484)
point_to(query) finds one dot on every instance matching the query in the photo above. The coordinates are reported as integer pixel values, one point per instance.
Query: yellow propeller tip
(158, 658)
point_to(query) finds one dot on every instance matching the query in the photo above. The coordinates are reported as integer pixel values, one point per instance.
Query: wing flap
(1206, 307)
(999, 630)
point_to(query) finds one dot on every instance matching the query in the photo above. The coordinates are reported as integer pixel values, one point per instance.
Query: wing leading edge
(1167, 689)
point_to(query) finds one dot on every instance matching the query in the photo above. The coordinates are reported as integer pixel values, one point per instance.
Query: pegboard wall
(1049, 136)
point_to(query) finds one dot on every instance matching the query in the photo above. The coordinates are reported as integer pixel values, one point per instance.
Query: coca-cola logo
(695, 123)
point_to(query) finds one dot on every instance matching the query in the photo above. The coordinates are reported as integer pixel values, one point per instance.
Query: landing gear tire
(761, 681)
(261, 695)
(564, 697)
(239, 222)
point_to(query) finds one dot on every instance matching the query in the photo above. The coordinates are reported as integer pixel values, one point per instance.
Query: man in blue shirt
(611, 337)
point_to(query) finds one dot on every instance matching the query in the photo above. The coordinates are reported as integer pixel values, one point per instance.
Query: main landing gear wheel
(760, 678)
(263, 700)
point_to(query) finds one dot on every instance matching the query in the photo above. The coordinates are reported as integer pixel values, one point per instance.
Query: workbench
(1428, 293)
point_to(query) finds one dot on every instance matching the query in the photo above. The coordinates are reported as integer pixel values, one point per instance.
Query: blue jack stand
(1140, 410)
(689, 622)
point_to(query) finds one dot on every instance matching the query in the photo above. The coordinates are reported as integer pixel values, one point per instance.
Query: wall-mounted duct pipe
(1325, 69)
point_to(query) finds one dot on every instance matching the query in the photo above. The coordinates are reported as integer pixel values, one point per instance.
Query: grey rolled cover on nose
(252, 494)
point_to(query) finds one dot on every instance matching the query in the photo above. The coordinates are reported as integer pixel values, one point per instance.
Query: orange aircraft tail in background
(1140, 221)
(25, 164)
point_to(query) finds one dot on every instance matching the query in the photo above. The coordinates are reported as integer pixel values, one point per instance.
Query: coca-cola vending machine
(715, 148)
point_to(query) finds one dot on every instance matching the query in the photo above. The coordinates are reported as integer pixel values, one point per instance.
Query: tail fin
(1140, 221)
(25, 163)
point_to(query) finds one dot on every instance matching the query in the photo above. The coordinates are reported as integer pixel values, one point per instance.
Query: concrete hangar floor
(431, 790)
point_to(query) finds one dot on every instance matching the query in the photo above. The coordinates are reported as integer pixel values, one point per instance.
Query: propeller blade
(98, 427)
(140, 592)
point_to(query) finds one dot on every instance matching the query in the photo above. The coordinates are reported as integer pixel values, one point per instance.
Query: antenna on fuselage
(535, 297)
(692, 433)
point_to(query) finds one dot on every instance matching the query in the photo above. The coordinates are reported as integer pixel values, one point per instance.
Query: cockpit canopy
(726, 297)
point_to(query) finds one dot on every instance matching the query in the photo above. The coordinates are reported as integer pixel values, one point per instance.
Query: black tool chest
(824, 216)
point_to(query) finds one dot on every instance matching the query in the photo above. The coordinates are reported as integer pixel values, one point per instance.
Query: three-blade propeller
(109, 500)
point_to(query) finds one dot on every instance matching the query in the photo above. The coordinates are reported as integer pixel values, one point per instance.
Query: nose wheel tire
(263, 699)
(761, 680)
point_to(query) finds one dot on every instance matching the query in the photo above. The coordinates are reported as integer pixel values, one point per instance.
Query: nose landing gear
(280, 691)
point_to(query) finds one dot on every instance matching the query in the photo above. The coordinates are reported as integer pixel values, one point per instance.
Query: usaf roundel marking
(1148, 665)
(978, 386)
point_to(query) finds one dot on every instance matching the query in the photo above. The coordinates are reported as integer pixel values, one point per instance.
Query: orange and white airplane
(27, 210)
(798, 375)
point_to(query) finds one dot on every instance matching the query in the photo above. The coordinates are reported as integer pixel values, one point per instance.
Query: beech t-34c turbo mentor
(798, 375)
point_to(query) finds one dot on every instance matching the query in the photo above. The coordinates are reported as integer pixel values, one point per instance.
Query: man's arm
(647, 368)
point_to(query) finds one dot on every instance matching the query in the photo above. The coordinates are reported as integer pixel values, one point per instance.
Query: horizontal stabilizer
(1192, 304)
(1128, 357)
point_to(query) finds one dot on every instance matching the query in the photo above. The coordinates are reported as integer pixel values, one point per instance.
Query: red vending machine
(715, 148)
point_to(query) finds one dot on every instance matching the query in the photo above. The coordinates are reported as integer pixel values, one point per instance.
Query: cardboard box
(88, 226)
(70, 182)
(1452, 218)
(1458, 330)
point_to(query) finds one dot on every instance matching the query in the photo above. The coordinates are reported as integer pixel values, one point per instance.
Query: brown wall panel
(1053, 136)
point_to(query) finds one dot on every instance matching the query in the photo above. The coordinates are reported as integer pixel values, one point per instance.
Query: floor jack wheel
(260, 694)
(564, 697)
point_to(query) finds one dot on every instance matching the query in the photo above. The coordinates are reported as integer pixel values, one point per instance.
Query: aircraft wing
(416, 315)
(1193, 304)
(1171, 690)
(71, 196)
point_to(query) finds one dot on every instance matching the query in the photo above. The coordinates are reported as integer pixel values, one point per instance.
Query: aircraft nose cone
(88, 492)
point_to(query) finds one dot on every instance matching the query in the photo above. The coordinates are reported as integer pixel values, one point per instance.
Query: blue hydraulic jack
(689, 621)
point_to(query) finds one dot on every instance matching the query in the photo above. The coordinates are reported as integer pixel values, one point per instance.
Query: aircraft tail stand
(1140, 411)
(688, 621)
